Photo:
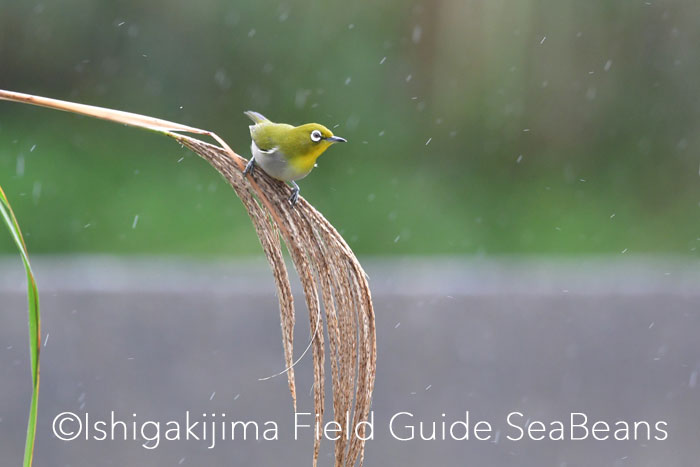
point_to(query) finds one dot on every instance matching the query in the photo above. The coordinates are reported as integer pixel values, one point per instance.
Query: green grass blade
(34, 323)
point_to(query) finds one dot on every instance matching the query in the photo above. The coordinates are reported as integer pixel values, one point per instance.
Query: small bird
(287, 152)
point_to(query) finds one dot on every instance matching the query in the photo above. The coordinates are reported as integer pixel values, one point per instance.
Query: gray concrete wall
(616, 340)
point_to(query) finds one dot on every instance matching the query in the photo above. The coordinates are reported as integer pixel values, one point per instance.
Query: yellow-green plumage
(287, 143)
(287, 152)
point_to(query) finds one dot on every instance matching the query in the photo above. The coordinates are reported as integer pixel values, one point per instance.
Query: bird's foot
(295, 194)
(250, 167)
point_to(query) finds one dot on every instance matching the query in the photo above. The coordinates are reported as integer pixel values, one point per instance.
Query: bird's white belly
(275, 164)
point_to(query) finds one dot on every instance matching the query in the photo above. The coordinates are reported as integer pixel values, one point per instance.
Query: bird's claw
(295, 197)
(295, 194)
(250, 167)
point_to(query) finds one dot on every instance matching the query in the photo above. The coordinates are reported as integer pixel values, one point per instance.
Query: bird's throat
(306, 162)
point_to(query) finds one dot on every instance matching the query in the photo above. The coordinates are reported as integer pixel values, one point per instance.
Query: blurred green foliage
(474, 126)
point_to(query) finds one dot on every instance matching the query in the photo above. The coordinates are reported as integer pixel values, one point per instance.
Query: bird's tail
(256, 117)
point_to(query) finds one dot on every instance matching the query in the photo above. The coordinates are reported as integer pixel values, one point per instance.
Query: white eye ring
(315, 136)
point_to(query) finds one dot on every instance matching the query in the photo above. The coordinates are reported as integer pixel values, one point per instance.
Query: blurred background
(474, 127)
(521, 182)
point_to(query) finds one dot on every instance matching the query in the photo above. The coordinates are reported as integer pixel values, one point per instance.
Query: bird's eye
(315, 136)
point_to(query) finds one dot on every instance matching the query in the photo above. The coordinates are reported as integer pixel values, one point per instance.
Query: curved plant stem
(324, 262)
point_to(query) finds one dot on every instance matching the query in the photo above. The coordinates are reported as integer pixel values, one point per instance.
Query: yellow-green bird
(287, 152)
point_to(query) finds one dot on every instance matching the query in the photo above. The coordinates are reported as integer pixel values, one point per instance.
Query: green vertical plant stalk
(10, 220)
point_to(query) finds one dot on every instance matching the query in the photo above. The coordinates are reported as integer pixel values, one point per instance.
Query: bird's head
(312, 139)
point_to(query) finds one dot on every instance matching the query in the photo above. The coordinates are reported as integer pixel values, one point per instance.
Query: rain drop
(417, 34)
(20, 165)
(36, 192)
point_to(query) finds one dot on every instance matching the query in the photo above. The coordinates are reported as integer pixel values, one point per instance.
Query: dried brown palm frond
(324, 263)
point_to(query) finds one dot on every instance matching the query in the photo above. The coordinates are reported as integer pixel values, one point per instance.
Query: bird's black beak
(336, 139)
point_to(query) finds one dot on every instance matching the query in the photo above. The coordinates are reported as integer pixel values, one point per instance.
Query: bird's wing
(262, 138)
(269, 136)
(266, 151)
(256, 117)
(259, 132)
